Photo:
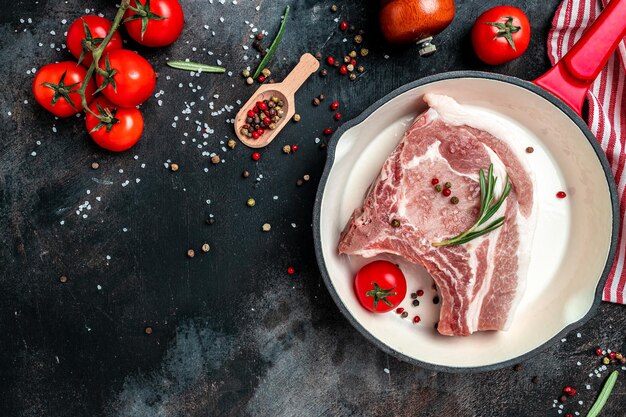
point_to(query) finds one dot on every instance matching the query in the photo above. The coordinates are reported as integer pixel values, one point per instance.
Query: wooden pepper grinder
(407, 21)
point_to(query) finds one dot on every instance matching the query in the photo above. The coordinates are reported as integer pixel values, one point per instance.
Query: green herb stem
(488, 208)
(195, 66)
(604, 395)
(272, 50)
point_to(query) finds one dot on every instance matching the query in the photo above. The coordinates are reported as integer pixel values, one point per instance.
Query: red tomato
(90, 30)
(380, 286)
(133, 78)
(55, 85)
(501, 34)
(163, 22)
(121, 133)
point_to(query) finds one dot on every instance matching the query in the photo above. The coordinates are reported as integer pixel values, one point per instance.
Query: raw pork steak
(480, 282)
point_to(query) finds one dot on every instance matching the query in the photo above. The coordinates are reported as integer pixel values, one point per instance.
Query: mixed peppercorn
(266, 114)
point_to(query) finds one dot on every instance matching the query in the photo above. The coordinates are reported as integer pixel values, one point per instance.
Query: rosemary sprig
(604, 395)
(195, 66)
(487, 209)
(273, 46)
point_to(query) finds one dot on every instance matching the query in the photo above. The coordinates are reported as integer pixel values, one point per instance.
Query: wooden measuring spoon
(285, 91)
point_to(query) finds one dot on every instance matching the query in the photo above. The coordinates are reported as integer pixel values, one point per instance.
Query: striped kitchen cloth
(607, 114)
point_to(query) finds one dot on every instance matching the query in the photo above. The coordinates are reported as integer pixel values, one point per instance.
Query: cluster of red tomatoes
(124, 78)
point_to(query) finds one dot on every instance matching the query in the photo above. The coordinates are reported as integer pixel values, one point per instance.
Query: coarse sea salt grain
(386, 370)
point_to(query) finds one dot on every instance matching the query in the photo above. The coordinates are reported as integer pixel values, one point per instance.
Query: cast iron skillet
(558, 96)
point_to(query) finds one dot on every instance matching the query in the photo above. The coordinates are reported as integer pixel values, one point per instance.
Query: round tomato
(90, 30)
(380, 286)
(121, 132)
(155, 23)
(55, 86)
(501, 34)
(130, 80)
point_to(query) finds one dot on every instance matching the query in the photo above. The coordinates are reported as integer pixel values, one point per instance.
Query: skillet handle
(572, 76)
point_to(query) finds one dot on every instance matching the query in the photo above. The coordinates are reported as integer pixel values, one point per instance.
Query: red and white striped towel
(607, 114)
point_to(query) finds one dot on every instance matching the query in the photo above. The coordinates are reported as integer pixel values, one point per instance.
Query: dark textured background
(233, 333)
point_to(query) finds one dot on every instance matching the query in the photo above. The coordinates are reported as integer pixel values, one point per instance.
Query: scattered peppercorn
(438, 188)
(205, 247)
(231, 143)
(420, 293)
(261, 79)
(358, 39)
(569, 415)
(287, 149)
(174, 167)
(291, 270)
(266, 72)
(612, 355)
(328, 131)
(454, 200)
(95, 165)
(334, 105)
(416, 319)
(147, 330)
(416, 303)
(210, 221)
(364, 51)
(606, 360)
(343, 70)
(399, 310)
(330, 60)
(191, 253)
(299, 182)
(599, 352)
(530, 149)
(436, 299)
(395, 223)
(316, 101)
(294, 147)
(266, 227)
(404, 315)
(251, 202)
(447, 185)
(62, 279)
(535, 379)
(568, 390)
(343, 26)
(333, 8)
(215, 159)
(352, 76)
(245, 174)
(323, 146)
(323, 72)
(337, 116)
(256, 156)
(350, 67)
(563, 399)
(517, 367)
(249, 81)
(318, 56)
(446, 192)
(296, 118)
(245, 73)
(321, 97)
(306, 177)
(561, 194)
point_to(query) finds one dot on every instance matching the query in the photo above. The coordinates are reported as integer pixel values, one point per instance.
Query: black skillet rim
(445, 76)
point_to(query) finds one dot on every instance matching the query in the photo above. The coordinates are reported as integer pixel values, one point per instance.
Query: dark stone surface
(233, 334)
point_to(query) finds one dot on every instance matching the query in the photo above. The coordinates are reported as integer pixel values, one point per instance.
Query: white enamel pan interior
(573, 247)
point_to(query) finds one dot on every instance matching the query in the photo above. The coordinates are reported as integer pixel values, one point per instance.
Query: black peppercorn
(436, 300)
(416, 302)
(210, 220)
(323, 72)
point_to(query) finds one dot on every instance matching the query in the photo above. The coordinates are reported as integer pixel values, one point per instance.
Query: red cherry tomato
(121, 133)
(380, 286)
(55, 86)
(501, 34)
(163, 22)
(90, 30)
(133, 78)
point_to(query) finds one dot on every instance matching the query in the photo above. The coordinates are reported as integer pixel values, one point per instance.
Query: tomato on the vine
(380, 286)
(501, 34)
(155, 23)
(130, 79)
(121, 132)
(90, 31)
(55, 86)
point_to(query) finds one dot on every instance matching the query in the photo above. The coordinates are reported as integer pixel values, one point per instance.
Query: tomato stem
(97, 54)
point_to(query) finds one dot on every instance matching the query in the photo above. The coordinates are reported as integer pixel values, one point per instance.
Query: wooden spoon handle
(307, 66)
